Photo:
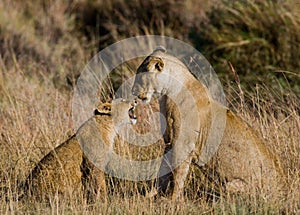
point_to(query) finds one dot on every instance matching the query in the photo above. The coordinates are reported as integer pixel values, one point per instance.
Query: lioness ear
(157, 63)
(103, 109)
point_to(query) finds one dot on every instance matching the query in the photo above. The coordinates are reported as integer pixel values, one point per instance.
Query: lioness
(65, 169)
(195, 120)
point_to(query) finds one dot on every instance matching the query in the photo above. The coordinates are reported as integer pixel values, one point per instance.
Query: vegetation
(253, 45)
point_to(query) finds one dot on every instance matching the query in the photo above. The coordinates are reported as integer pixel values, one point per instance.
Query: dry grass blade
(45, 45)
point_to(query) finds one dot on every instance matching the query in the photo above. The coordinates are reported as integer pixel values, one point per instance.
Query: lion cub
(66, 170)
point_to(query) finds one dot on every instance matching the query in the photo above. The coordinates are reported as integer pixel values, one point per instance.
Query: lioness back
(242, 155)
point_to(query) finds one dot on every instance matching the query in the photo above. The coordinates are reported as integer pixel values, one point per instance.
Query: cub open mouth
(132, 114)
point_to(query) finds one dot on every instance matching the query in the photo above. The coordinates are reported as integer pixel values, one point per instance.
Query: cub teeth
(132, 115)
(133, 121)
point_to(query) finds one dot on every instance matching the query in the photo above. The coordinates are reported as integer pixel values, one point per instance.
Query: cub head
(151, 78)
(121, 110)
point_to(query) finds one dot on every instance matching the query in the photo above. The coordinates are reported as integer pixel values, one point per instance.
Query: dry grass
(42, 49)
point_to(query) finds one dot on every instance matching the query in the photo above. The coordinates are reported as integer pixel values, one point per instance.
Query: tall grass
(44, 45)
(260, 38)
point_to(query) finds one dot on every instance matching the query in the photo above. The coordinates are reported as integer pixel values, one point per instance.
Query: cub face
(121, 110)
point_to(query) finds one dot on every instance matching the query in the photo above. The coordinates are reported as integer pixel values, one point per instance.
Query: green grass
(260, 38)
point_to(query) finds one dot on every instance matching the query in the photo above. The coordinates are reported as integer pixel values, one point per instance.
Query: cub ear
(158, 63)
(103, 109)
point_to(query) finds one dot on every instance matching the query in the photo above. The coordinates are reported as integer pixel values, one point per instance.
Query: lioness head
(121, 110)
(149, 79)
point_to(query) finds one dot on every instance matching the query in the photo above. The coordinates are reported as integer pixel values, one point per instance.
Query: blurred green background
(259, 38)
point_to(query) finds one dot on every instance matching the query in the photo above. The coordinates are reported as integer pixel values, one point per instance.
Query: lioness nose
(134, 91)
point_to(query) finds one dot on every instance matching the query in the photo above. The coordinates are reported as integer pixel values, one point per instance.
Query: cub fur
(66, 170)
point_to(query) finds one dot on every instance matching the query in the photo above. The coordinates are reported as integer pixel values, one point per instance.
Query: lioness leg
(165, 175)
(180, 175)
